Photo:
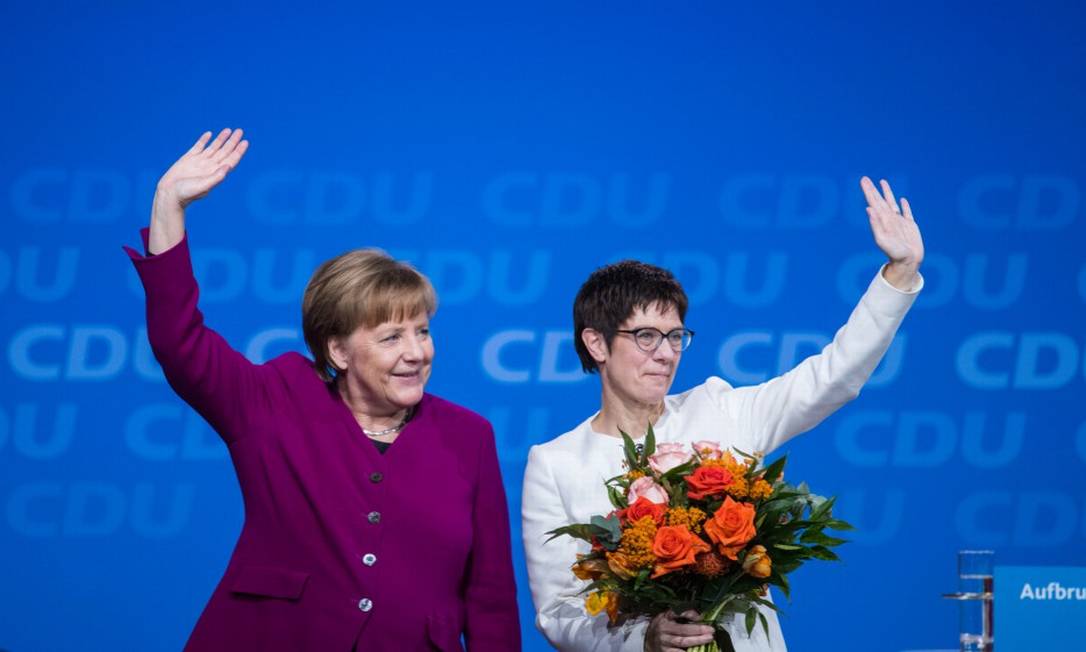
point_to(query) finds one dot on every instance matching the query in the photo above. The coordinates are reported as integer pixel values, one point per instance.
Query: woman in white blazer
(629, 328)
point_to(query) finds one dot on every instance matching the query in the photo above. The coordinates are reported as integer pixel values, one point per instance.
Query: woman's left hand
(895, 233)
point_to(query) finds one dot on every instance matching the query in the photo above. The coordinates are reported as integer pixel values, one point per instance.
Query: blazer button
(365, 604)
(374, 517)
(376, 477)
(369, 559)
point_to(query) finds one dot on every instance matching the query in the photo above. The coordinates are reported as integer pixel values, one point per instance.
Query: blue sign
(1040, 608)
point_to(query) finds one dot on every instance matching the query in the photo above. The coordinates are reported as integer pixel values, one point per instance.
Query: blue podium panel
(1040, 608)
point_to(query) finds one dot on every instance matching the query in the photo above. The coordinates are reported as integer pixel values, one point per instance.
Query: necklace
(388, 431)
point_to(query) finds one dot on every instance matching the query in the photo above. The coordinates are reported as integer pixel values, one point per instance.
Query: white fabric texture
(563, 481)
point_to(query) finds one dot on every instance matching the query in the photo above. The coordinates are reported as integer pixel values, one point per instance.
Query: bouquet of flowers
(699, 528)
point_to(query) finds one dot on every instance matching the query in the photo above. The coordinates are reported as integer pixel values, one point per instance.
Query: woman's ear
(596, 344)
(337, 353)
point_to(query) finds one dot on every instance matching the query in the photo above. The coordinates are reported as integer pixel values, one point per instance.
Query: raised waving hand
(895, 232)
(191, 177)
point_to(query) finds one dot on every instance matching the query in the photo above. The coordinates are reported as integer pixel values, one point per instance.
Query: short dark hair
(612, 293)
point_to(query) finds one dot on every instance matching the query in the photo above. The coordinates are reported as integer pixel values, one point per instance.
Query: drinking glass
(976, 622)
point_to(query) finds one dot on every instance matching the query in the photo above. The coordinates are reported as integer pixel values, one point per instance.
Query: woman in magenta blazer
(375, 517)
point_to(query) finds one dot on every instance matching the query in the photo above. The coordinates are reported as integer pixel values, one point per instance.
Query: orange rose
(707, 481)
(731, 527)
(757, 562)
(641, 508)
(675, 547)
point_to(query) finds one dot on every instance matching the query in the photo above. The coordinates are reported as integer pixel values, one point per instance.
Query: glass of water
(976, 621)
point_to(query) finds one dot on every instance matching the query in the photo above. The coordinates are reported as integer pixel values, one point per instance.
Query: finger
(889, 195)
(690, 614)
(874, 199)
(683, 642)
(907, 210)
(228, 148)
(217, 143)
(235, 156)
(876, 219)
(879, 227)
(694, 630)
(682, 630)
(200, 142)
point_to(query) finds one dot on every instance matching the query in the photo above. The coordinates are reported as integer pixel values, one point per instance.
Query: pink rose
(646, 488)
(668, 456)
(708, 450)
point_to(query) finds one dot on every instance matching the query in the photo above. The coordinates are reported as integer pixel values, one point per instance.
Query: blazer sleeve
(560, 613)
(794, 402)
(217, 381)
(492, 618)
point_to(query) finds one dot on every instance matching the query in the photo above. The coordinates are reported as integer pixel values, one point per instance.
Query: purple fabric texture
(342, 546)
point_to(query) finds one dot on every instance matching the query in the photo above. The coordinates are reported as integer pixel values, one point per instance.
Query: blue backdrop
(508, 151)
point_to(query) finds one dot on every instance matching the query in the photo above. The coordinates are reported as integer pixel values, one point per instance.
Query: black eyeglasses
(648, 339)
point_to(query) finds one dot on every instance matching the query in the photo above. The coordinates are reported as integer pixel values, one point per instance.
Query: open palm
(894, 228)
(203, 167)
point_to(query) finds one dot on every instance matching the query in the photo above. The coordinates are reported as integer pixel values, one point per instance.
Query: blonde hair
(364, 287)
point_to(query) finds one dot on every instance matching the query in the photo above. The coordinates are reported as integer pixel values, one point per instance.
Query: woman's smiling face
(389, 363)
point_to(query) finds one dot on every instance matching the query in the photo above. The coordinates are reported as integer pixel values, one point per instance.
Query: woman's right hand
(190, 178)
(667, 634)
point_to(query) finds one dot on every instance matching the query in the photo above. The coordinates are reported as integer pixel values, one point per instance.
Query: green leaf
(765, 603)
(822, 507)
(650, 444)
(611, 527)
(752, 615)
(817, 537)
(630, 450)
(774, 470)
(787, 546)
(713, 614)
(780, 579)
(786, 493)
(821, 552)
(679, 471)
(617, 498)
(744, 454)
(582, 531)
(786, 566)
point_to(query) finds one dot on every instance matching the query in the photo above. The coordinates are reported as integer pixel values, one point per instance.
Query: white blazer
(563, 482)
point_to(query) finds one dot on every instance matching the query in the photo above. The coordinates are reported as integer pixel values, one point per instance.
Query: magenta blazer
(343, 547)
